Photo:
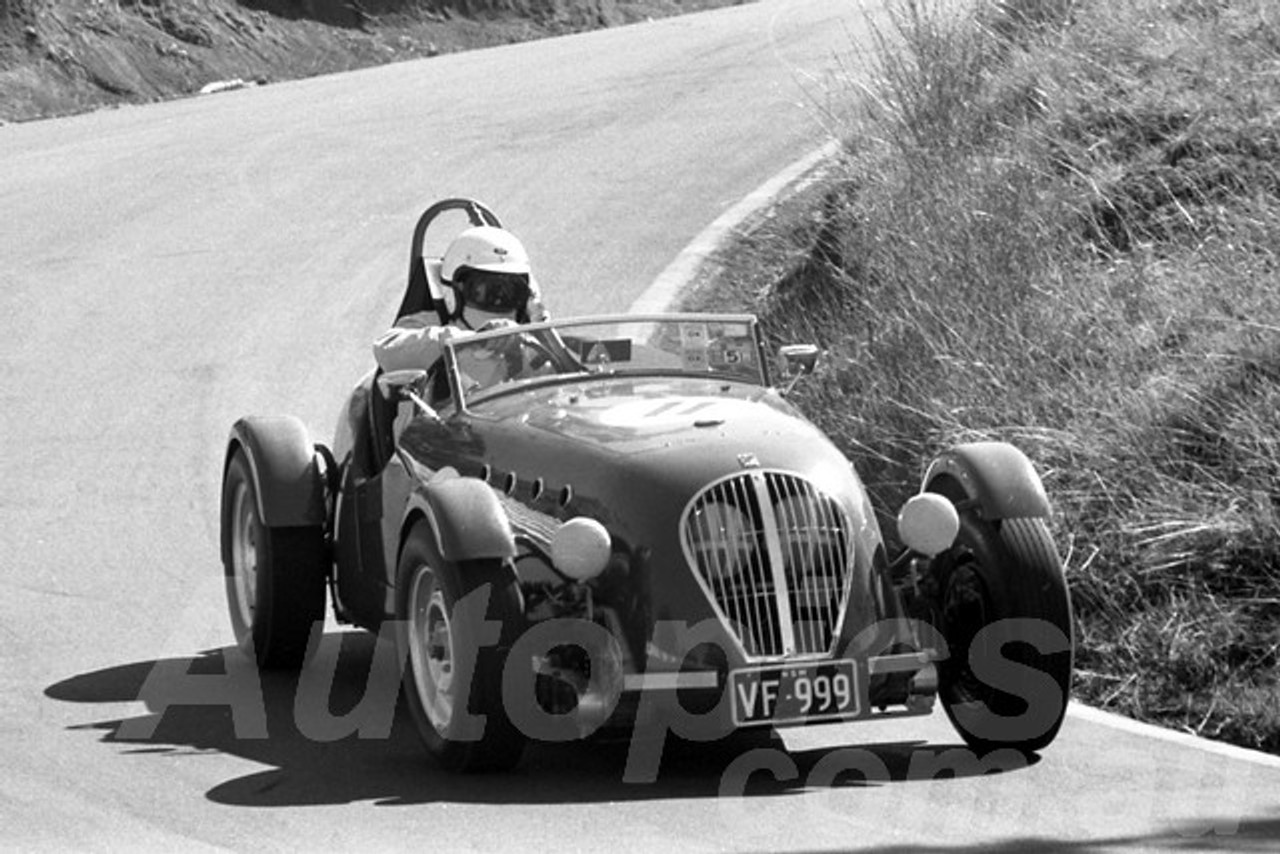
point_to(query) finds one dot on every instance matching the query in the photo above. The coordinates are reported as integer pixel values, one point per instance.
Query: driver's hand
(497, 323)
(451, 333)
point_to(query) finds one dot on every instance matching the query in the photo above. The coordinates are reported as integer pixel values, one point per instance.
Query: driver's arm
(415, 342)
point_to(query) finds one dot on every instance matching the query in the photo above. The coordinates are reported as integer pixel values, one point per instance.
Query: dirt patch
(66, 56)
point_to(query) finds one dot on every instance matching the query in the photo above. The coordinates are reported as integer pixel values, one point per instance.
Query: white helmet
(485, 247)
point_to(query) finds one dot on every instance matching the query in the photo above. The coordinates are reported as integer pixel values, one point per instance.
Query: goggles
(496, 293)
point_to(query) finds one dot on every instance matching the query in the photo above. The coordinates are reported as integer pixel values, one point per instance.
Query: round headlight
(580, 548)
(928, 523)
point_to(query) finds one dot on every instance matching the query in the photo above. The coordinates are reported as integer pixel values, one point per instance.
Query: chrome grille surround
(774, 554)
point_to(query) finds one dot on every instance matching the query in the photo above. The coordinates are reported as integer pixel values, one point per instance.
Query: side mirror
(406, 385)
(798, 360)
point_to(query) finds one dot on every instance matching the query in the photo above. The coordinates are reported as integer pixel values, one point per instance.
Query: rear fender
(287, 473)
(466, 518)
(994, 477)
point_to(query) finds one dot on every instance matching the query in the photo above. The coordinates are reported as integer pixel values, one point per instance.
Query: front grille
(775, 555)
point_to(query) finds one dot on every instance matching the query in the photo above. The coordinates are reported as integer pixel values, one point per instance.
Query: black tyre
(1006, 615)
(275, 577)
(453, 662)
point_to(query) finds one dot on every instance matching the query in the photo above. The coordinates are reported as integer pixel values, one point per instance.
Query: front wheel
(275, 577)
(1006, 616)
(456, 622)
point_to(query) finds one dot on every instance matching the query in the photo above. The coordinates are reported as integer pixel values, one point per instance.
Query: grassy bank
(1058, 223)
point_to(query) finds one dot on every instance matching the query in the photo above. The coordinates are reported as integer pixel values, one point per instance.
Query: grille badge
(748, 461)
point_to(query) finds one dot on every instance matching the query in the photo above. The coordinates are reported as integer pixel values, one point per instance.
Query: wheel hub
(431, 651)
(244, 553)
(964, 614)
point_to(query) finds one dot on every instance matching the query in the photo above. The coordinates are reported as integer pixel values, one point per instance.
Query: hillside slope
(66, 56)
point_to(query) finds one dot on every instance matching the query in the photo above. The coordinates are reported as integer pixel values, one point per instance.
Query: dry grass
(1057, 223)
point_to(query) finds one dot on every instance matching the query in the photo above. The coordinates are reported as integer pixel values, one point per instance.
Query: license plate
(794, 693)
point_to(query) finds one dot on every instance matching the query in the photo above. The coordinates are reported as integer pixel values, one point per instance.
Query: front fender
(466, 517)
(286, 473)
(995, 476)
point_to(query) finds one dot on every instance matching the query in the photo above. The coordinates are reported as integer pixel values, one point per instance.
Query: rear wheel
(456, 623)
(1006, 616)
(275, 577)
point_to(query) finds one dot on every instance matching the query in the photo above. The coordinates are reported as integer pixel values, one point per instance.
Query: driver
(487, 269)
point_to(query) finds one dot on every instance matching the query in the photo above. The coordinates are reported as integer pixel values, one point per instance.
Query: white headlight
(928, 523)
(580, 548)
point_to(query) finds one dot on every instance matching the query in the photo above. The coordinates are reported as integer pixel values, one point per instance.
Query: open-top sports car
(598, 523)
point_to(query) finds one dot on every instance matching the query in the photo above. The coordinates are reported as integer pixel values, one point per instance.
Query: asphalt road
(164, 270)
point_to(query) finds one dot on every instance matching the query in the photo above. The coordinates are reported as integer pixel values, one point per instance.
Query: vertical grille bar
(777, 565)
(760, 627)
(829, 557)
(805, 519)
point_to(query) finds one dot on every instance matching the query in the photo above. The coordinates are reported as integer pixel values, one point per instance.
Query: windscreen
(699, 345)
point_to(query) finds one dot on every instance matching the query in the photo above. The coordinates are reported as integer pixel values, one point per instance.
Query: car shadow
(360, 746)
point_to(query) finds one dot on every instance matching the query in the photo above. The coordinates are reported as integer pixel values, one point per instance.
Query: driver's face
(474, 318)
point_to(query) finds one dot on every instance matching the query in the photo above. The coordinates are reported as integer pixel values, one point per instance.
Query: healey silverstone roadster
(601, 522)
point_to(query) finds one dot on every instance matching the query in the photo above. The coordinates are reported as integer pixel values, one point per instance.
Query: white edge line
(1184, 739)
(679, 273)
(662, 292)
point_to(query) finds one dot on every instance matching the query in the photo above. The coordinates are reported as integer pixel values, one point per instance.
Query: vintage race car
(595, 524)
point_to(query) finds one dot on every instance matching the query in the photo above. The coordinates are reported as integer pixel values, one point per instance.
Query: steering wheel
(543, 354)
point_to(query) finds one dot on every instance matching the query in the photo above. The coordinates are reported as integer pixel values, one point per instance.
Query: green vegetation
(1057, 223)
